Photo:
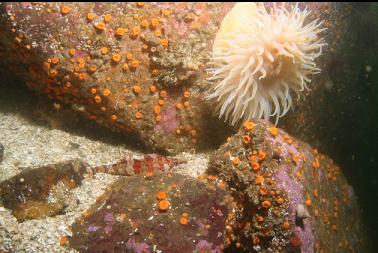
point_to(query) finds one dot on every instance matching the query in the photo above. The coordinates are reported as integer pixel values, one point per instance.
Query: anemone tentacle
(264, 57)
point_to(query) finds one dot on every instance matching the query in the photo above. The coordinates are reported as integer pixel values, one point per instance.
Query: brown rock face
(168, 213)
(135, 68)
(138, 69)
(288, 197)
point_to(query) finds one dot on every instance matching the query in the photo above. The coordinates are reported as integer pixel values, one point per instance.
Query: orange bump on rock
(187, 94)
(255, 166)
(155, 72)
(266, 204)
(55, 60)
(163, 93)
(135, 31)
(259, 179)
(104, 50)
(246, 139)
(116, 57)
(100, 25)
(91, 16)
(106, 92)
(65, 9)
(263, 190)
(137, 89)
(153, 88)
(144, 23)
(161, 102)
(138, 115)
(122, 216)
(166, 13)
(273, 131)
(236, 160)
(308, 202)
(154, 22)
(280, 201)
(261, 155)
(163, 205)
(114, 117)
(120, 31)
(249, 125)
(63, 240)
(161, 195)
(53, 73)
(179, 106)
(183, 220)
(157, 109)
(93, 91)
(286, 225)
(164, 42)
(130, 56)
(260, 218)
(72, 52)
(158, 118)
(93, 68)
(97, 99)
(135, 64)
(107, 18)
(158, 33)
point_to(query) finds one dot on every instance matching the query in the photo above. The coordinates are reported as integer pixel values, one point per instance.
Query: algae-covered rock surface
(139, 69)
(108, 143)
(290, 198)
(167, 213)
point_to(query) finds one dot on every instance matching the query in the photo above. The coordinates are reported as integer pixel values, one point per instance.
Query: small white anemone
(259, 57)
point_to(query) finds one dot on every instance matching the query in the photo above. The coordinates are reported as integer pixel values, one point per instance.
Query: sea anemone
(259, 56)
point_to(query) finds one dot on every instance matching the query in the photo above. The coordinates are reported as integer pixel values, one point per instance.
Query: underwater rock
(288, 197)
(136, 68)
(39, 192)
(1, 152)
(163, 213)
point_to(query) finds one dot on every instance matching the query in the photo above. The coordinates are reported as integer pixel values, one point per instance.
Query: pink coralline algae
(129, 218)
(136, 247)
(206, 247)
(169, 121)
(287, 196)
(295, 191)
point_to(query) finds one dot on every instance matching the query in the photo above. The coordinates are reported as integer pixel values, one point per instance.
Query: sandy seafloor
(32, 145)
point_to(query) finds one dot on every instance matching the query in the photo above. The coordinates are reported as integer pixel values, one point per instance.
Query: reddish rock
(167, 213)
(39, 192)
(288, 196)
(33, 193)
(138, 69)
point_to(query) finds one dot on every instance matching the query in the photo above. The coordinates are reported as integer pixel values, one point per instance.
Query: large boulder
(167, 213)
(136, 68)
(288, 196)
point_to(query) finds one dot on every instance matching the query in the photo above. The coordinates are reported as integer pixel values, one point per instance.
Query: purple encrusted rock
(166, 212)
(288, 196)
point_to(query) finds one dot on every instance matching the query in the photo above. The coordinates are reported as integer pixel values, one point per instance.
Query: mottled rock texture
(167, 213)
(1, 152)
(289, 197)
(41, 192)
(136, 68)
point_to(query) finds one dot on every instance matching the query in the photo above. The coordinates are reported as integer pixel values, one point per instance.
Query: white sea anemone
(259, 56)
